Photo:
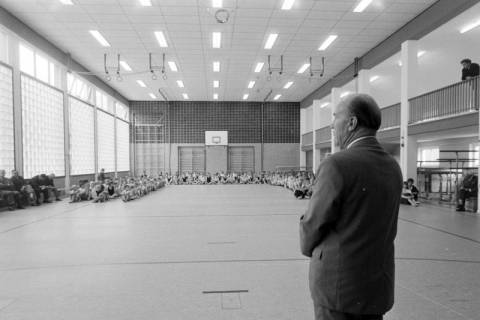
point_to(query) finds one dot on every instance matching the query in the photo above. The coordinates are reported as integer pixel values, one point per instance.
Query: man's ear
(352, 123)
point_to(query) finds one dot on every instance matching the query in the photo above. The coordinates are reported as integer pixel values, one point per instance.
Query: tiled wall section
(188, 121)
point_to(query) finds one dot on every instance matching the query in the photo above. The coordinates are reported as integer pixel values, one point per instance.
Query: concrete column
(303, 127)
(315, 126)
(17, 103)
(66, 129)
(409, 76)
(335, 95)
(363, 81)
(95, 135)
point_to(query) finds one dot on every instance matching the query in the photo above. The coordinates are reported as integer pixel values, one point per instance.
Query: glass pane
(43, 132)
(52, 74)
(106, 141)
(7, 157)
(82, 137)
(26, 60)
(123, 146)
(3, 47)
(41, 66)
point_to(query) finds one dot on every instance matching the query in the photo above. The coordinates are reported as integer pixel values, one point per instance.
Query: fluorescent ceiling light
(216, 39)
(324, 105)
(185, 96)
(420, 53)
(287, 4)
(217, 3)
(277, 97)
(259, 67)
(67, 2)
(216, 83)
(152, 96)
(346, 93)
(374, 78)
(271, 40)
(470, 26)
(288, 85)
(215, 96)
(145, 3)
(180, 84)
(303, 68)
(173, 66)
(362, 5)
(327, 42)
(98, 36)
(216, 66)
(245, 96)
(251, 84)
(141, 83)
(161, 39)
(125, 65)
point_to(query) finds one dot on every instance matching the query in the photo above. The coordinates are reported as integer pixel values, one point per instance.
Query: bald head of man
(355, 116)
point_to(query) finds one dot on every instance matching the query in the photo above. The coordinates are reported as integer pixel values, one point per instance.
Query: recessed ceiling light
(145, 3)
(152, 96)
(245, 96)
(141, 83)
(420, 53)
(216, 39)
(324, 105)
(215, 96)
(251, 84)
(346, 93)
(372, 79)
(327, 42)
(271, 40)
(362, 5)
(98, 36)
(125, 65)
(303, 68)
(216, 83)
(161, 39)
(277, 97)
(173, 66)
(259, 67)
(216, 66)
(288, 85)
(185, 96)
(67, 2)
(470, 26)
(217, 3)
(180, 84)
(287, 4)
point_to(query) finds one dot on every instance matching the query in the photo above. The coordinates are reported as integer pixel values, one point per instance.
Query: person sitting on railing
(467, 189)
(470, 69)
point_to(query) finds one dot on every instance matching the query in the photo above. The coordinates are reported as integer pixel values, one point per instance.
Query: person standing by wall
(349, 228)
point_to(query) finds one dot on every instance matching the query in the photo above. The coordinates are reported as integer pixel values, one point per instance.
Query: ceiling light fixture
(251, 84)
(287, 4)
(271, 40)
(288, 85)
(420, 53)
(216, 83)
(372, 79)
(346, 93)
(362, 5)
(303, 68)
(141, 83)
(67, 2)
(216, 66)
(125, 65)
(173, 66)
(324, 105)
(185, 96)
(161, 39)
(216, 39)
(145, 3)
(470, 26)
(327, 42)
(277, 97)
(217, 3)
(215, 96)
(259, 67)
(98, 36)
(245, 96)
(180, 84)
(152, 96)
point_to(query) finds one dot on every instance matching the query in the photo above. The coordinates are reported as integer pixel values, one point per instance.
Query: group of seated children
(409, 193)
(128, 188)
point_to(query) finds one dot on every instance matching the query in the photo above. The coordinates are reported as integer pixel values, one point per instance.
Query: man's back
(353, 212)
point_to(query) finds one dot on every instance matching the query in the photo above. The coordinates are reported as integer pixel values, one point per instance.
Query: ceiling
(188, 26)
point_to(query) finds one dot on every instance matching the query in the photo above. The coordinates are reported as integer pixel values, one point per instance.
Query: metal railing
(458, 98)
(307, 139)
(323, 134)
(390, 117)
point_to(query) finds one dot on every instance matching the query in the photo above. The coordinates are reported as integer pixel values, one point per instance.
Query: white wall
(324, 115)
(386, 89)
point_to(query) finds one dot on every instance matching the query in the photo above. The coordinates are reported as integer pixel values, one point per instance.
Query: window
(428, 157)
(41, 68)
(38, 66)
(79, 88)
(82, 137)
(106, 141)
(3, 47)
(7, 157)
(123, 146)
(43, 131)
(27, 62)
(121, 111)
(103, 101)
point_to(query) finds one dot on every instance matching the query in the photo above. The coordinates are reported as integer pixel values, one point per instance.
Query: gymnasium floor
(171, 254)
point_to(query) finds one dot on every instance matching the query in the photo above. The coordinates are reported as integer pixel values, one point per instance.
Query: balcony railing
(323, 134)
(307, 139)
(390, 117)
(458, 98)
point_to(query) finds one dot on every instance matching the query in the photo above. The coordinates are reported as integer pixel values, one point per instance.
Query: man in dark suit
(350, 225)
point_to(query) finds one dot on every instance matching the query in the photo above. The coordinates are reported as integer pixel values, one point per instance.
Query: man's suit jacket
(349, 228)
